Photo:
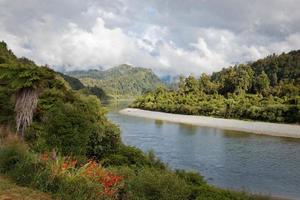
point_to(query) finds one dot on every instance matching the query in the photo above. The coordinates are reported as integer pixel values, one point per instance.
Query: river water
(228, 159)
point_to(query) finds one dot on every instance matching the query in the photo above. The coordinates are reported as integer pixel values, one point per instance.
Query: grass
(10, 191)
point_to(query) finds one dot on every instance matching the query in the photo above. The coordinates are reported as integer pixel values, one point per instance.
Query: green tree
(206, 85)
(263, 83)
(191, 85)
(244, 78)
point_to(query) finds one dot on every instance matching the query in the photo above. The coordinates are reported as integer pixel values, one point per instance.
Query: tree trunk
(26, 102)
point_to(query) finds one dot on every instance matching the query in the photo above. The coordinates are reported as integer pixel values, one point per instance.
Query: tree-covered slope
(266, 90)
(123, 80)
(76, 84)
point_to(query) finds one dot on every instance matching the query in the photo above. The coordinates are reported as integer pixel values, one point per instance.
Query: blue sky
(169, 36)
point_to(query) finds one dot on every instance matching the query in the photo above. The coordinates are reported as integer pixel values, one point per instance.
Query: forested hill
(279, 71)
(266, 90)
(123, 80)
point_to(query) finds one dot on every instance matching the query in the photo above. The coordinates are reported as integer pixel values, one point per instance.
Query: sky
(169, 36)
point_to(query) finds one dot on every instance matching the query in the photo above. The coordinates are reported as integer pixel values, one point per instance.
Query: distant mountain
(123, 80)
(167, 79)
(172, 82)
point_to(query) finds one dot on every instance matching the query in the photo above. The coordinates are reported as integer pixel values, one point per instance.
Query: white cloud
(155, 34)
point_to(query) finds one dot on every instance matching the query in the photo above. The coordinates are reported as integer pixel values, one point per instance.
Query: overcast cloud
(169, 36)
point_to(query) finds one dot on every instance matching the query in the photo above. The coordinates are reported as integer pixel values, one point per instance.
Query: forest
(264, 90)
(123, 81)
(59, 141)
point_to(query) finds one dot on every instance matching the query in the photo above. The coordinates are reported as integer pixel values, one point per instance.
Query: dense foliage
(123, 80)
(265, 90)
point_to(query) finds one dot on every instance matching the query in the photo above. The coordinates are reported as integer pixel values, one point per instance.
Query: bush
(6, 106)
(18, 163)
(67, 130)
(132, 156)
(10, 155)
(73, 125)
(104, 140)
(153, 184)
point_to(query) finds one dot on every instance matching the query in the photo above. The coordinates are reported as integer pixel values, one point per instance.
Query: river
(228, 159)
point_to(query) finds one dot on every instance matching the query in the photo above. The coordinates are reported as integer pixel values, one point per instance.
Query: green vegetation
(59, 141)
(121, 81)
(265, 90)
(76, 84)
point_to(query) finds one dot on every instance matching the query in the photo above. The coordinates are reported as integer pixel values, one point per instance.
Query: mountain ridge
(120, 81)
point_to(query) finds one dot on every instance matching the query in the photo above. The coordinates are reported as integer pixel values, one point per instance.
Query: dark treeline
(265, 90)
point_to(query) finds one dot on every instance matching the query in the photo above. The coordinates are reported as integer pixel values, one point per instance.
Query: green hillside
(76, 84)
(265, 90)
(123, 80)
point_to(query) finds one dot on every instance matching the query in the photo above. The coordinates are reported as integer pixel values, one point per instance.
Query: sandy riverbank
(265, 128)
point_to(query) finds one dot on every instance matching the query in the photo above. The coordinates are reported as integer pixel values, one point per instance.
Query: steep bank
(264, 128)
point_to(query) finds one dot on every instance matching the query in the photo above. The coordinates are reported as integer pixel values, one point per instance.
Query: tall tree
(263, 83)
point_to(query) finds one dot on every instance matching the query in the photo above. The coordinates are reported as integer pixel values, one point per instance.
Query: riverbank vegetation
(265, 90)
(59, 141)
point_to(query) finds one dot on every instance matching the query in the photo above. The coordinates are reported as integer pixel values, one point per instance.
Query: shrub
(11, 154)
(6, 106)
(152, 184)
(104, 140)
(132, 156)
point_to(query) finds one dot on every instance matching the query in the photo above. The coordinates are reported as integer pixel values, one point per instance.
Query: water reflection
(236, 134)
(187, 129)
(159, 123)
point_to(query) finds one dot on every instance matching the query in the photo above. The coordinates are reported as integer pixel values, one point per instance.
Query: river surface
(228, 159)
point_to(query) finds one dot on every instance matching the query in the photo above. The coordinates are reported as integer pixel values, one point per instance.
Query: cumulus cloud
(172, 37)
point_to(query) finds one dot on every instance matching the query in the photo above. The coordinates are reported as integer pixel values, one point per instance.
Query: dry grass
(7, 136)
(10, 191)
(4, 131)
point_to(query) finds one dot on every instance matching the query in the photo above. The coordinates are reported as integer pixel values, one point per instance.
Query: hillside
(264, 90)
(76, 84)
(123, 80)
